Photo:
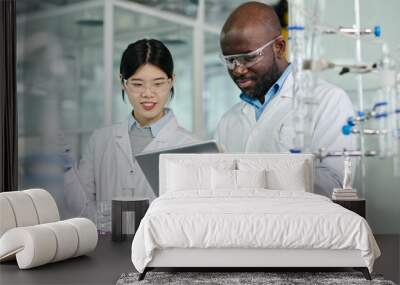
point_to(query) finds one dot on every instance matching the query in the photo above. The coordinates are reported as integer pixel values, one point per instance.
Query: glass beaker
(103, 217)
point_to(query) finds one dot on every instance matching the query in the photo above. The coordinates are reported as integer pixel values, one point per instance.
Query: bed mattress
(250, 219)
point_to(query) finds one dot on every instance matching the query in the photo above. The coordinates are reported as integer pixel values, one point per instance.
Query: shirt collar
(155, 127)
(275, 89)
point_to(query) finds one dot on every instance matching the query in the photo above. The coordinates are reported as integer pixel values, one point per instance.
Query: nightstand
(357, 205)
(124, 204)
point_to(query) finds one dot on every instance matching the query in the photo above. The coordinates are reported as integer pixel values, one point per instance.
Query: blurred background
(68, 55)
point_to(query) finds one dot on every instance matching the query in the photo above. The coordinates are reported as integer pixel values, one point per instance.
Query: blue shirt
(156, 127)
(270, 94)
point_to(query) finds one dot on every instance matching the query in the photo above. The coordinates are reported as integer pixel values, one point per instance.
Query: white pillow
(227, 179)
(251, 178)
(183, 177)
(223, 179)
(279, 180)
(282, 174)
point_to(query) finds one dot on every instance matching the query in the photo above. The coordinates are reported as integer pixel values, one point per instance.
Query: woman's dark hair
(146, 51)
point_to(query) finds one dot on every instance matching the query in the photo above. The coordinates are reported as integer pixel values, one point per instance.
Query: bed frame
(244, 259)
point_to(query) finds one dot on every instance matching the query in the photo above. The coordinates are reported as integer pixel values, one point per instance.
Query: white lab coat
(238, 130)
(107, 168)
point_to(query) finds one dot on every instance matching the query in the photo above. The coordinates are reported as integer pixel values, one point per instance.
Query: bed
(247, 210)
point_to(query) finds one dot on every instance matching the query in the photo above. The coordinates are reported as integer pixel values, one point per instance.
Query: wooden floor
(110, 260)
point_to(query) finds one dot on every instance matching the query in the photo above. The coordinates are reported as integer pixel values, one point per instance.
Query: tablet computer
(148, 161)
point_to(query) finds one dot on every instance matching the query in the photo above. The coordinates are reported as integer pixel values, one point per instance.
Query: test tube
(304, 44)
(381, 114)
(297, 53)
(396, 133)
(375, 31)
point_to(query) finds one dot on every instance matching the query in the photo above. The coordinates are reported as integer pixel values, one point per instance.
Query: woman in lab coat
(108, 168)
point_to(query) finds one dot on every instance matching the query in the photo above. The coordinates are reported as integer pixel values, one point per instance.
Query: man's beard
(264, 83)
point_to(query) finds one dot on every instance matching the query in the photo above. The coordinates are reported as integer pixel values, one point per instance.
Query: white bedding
(251, 218)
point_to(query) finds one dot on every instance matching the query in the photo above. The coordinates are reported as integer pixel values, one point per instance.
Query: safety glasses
(246, 59)
(157, 86)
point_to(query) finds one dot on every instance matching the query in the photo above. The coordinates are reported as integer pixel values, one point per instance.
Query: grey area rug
(243, 278)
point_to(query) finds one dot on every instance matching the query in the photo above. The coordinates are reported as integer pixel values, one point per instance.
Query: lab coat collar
(286, 90)
(154, 127)
(249, 111)
(122, 136)
(165, 133)
(122, 139)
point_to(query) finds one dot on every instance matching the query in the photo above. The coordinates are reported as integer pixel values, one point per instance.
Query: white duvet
(252, 218)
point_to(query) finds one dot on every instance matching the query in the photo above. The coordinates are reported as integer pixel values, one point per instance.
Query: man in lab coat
(254, 53)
